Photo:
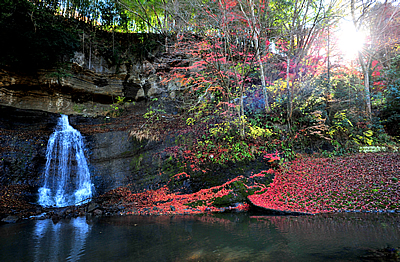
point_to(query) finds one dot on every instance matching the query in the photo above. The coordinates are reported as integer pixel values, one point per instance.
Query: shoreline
(360, 183)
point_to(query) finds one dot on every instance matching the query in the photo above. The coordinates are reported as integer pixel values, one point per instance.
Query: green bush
(390, 114)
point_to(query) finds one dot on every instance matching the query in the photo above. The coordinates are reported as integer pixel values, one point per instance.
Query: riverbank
(360, 183)
(368, 182)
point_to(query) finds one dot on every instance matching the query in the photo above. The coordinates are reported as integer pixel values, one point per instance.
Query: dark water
(222, 237)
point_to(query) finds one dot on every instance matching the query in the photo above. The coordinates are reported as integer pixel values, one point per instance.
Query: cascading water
(66, 178)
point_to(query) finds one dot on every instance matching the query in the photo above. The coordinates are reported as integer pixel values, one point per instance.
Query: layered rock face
(116, 159)
(88, 86)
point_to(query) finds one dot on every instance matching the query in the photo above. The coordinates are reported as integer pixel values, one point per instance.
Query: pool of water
(218, 237)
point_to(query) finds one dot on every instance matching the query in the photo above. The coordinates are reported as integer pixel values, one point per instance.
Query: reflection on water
(43, 240)
(61, 240)
(220, 237)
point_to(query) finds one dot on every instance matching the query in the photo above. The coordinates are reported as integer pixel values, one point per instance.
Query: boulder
(97, 212)
(11, 219)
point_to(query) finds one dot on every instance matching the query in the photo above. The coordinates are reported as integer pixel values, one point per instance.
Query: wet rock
(41, 216)
(384, 254)
(10, 219)
(60, 212)
(55, 218)
(97, 212)
(91, 207)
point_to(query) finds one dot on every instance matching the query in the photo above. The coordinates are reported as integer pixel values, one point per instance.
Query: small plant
(78, 108)
(61, 72)
(326, 153)
(372, 149)
(366, 138)
(154, 114)
(119, 106)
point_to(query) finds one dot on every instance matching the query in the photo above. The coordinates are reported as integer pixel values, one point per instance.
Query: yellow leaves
(190, 121)
(282, 84)
(227, 130)
(222, 128)
(341, 116)
(368, 133)
(278, 86)
(366, 138)
(256, 132)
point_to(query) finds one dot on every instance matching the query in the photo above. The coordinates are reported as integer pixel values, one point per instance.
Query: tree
(254, 14)
(378, 18)
(32, 37)
(228, 42)
(303, 22)
(391, 109)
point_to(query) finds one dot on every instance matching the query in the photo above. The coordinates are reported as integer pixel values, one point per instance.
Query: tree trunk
(289, 93)
(264, 85)
(364, 67)
(252, 21)
(242, 119)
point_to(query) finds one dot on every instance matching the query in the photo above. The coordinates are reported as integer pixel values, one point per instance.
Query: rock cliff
(85, 86)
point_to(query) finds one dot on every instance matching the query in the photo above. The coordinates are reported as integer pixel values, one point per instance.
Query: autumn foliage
(164, 202)
(365, 182)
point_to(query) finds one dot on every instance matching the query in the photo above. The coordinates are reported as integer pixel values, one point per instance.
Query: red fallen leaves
(362, 182)
(181, 175)
(164, 202)
(262, 173)
(272, 157)
(12, 199)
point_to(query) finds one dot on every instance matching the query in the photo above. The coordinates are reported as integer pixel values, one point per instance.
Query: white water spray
(67, 178)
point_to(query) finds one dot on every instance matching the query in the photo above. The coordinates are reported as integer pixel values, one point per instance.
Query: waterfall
(66, 178)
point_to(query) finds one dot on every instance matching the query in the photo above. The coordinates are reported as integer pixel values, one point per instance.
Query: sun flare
(350, 41)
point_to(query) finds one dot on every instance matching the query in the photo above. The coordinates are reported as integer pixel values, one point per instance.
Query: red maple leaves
(164, 202)
(315, 185)
(364, 182)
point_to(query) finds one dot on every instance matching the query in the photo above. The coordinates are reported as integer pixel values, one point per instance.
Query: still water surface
(220, 237)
